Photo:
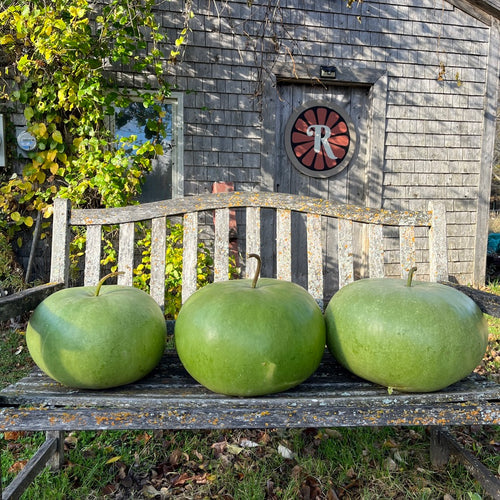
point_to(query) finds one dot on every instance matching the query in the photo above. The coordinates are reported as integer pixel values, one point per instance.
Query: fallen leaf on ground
(18, 466)
(285, 452)
(13, 435)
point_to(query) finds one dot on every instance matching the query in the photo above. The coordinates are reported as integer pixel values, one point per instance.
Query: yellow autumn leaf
(39, 129)
(28, 221)
(40, 176)
(15, 216)
(57, 137)
(114, 459)
(51, 155)
(4, 40)
(54, 167)
(48, 211)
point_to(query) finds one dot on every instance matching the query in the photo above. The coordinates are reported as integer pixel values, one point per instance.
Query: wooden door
(347, 186)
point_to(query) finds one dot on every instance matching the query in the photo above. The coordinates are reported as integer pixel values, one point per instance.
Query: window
(166, 177)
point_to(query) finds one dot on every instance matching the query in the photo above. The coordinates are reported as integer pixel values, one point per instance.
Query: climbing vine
(60, 57)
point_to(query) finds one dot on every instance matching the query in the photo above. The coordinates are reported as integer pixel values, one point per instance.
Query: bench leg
(440, 452)
(443, 444)
(49, 453)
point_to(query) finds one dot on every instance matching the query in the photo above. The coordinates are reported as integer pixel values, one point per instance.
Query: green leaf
(28, 113)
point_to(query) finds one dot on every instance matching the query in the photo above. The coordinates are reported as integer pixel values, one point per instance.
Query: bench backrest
(361, 246)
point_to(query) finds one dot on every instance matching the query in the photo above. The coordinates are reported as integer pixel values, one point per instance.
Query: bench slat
(253, 239)
(376, 251)
(158, 249)
(126, 253)
(314, 258)
(438, 252)
(407, 249)
(284, 245)
(221, 244)
(345, 252)
(59, 259)
(189, 255)
(92, 256)
(212, 413)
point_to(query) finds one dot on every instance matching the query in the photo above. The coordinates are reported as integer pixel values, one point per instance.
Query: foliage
(173, 269)
(11, 275)
(59, 57)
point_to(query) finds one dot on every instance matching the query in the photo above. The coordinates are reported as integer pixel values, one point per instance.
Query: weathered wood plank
(26, 300)
(252, 239)
(181, 414)
(126, 253)
(438, 252)
(92, 256)
(221, 244)
(314, 258)
(284, 245)
(59, 259)
(189, 255)
(376, 251)
(158, 249)
(345, 252)
(306, 204)
(406, 249)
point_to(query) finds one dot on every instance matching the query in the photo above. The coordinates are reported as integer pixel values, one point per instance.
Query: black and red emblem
(320, 139)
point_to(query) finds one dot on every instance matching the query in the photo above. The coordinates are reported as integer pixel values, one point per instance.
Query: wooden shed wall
(424, 137)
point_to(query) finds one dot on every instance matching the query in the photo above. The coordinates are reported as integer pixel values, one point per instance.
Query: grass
(357, 463)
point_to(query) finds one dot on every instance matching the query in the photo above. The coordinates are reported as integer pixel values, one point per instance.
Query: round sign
(320, 139)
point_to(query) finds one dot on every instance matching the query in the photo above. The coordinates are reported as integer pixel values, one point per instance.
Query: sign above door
(320, 139)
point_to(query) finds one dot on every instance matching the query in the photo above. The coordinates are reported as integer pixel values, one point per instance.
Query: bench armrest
(26, 300)
(489, 303)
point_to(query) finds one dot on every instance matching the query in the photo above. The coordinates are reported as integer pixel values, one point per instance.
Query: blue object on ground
(493, 243)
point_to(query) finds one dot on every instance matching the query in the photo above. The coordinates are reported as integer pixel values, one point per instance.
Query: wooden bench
(338, 243)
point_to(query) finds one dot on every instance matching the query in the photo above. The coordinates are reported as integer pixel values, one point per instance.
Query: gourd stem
(110, 275)
(257, 271)
(410, 276)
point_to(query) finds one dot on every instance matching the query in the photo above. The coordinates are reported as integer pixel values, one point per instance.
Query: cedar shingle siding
(420, 138)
